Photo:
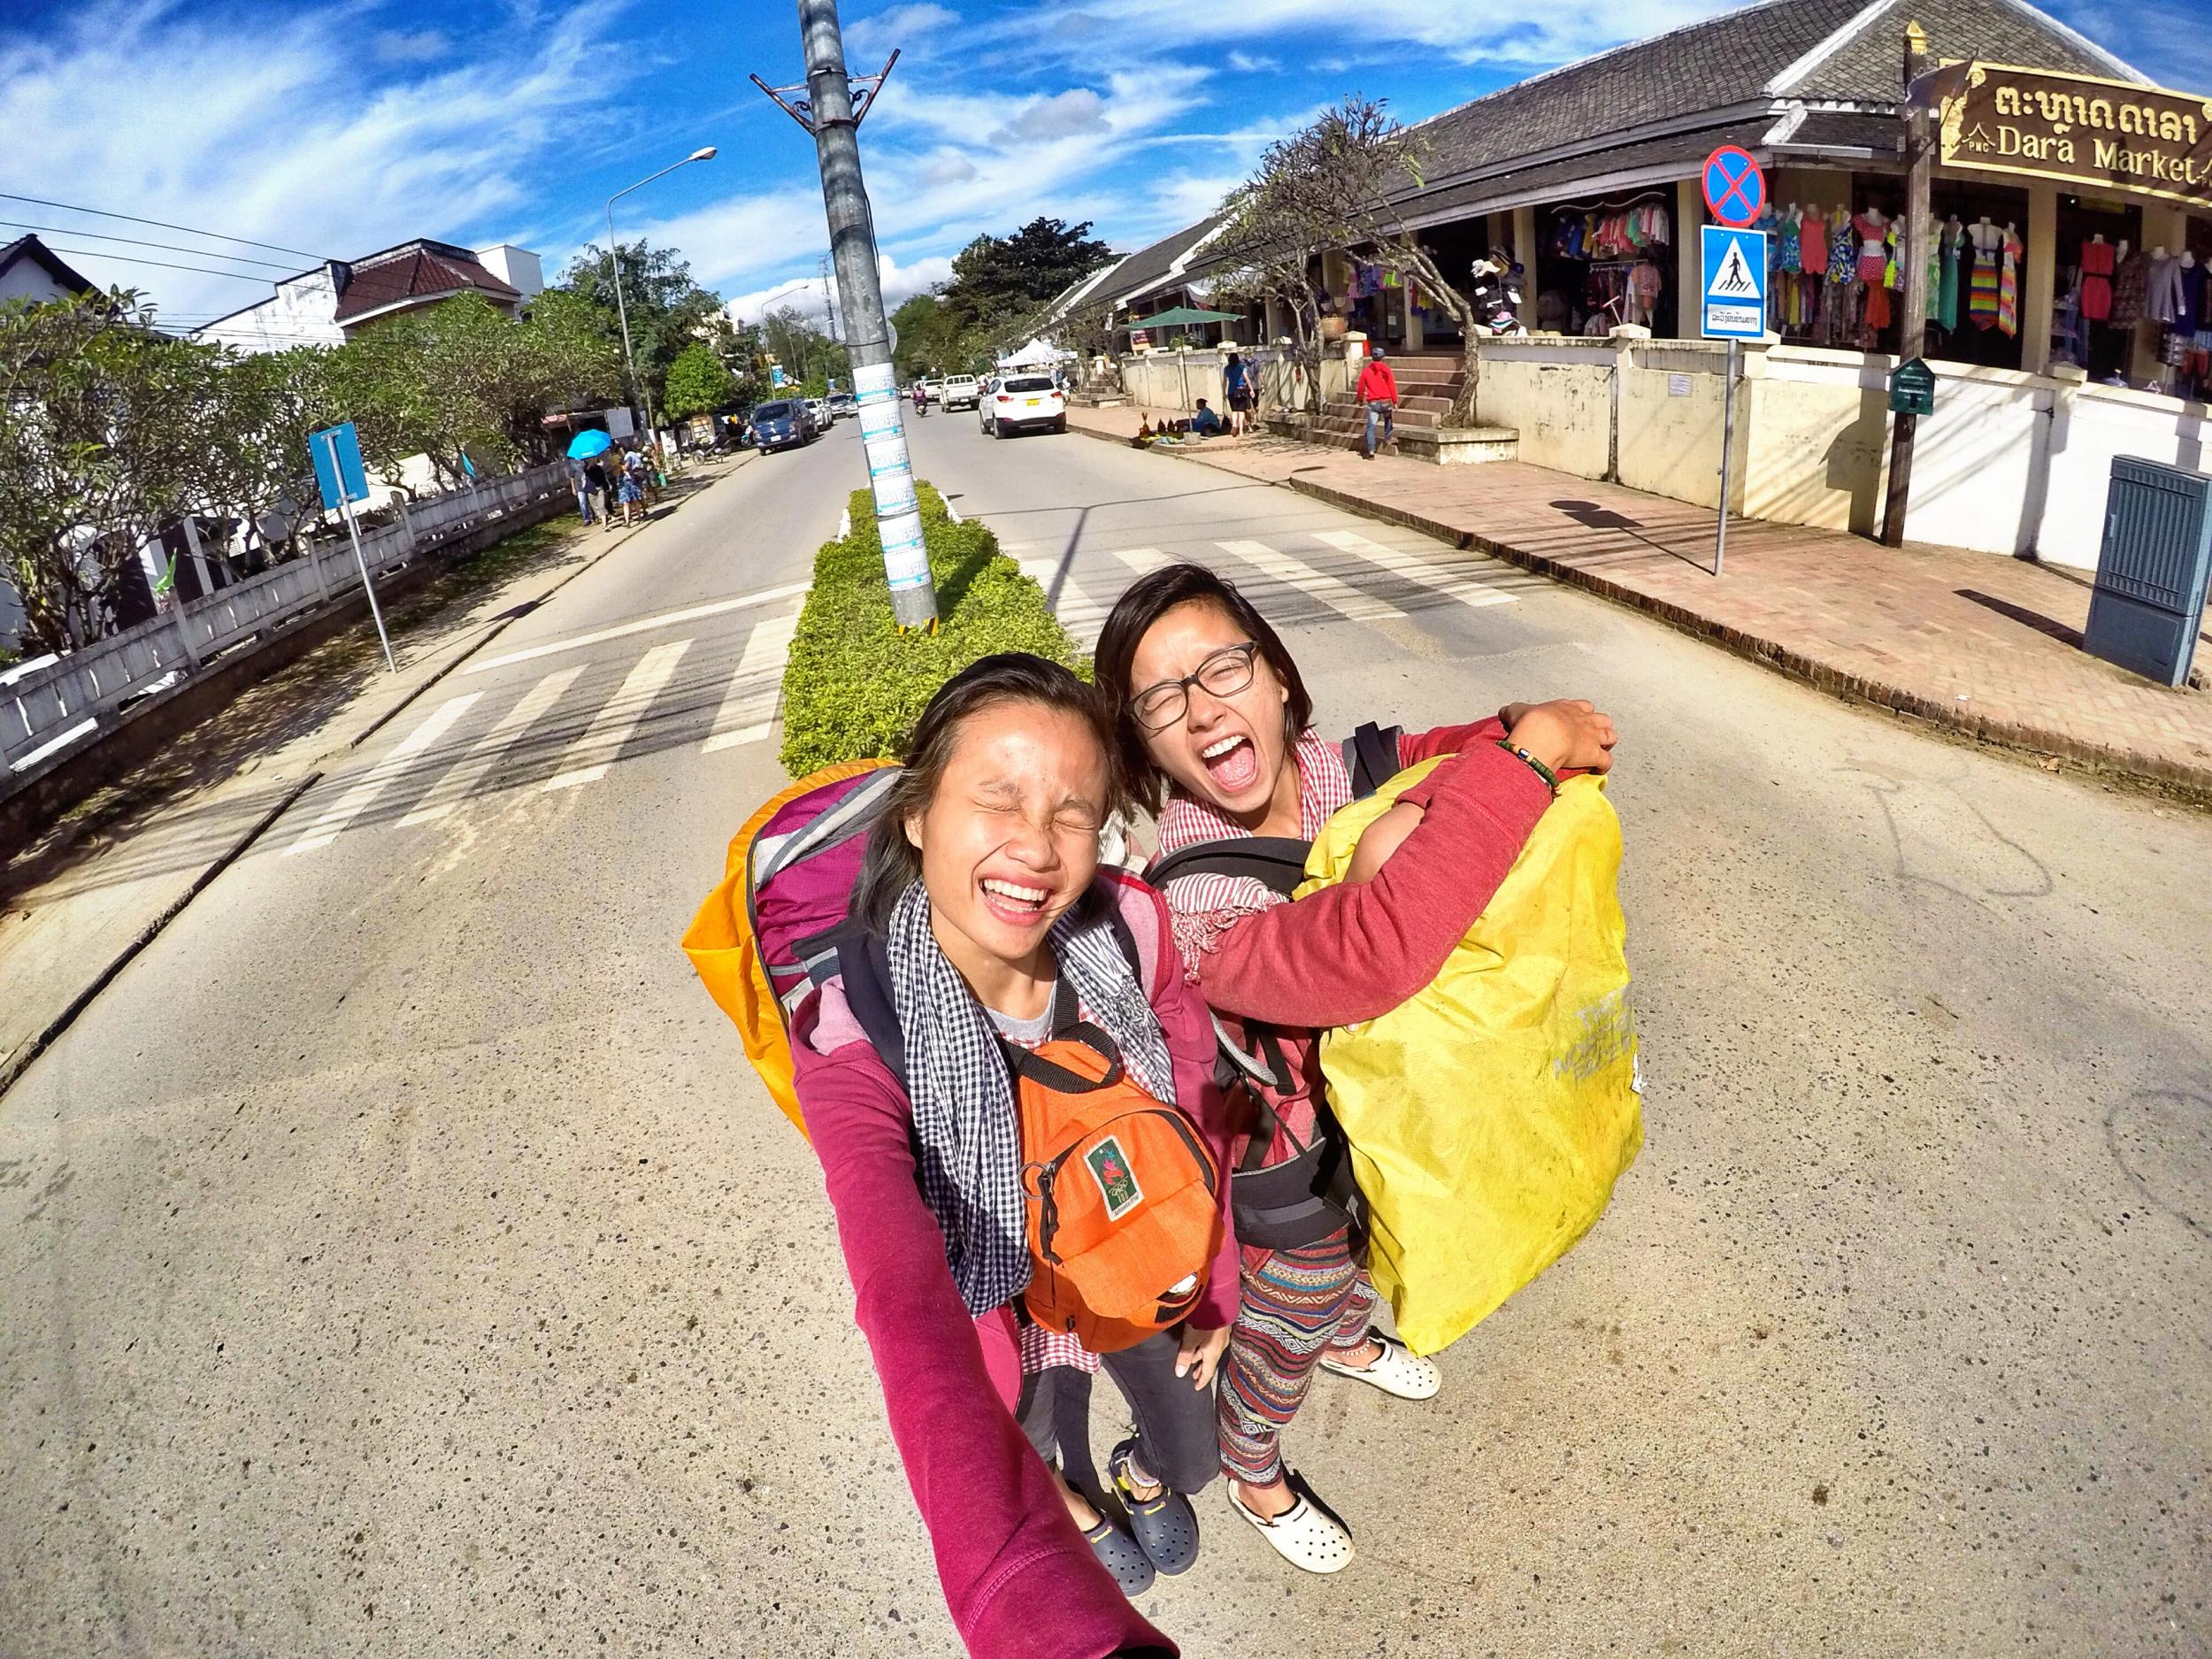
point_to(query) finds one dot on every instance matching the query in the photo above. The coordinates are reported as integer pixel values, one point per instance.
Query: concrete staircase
(1426, 385)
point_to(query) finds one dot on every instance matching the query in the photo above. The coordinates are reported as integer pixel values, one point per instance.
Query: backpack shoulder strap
(1277, 861)
(1371, 754)
(866, 967)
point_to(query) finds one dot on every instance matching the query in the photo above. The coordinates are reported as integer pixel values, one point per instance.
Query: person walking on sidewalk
(1379, 392)
(579, 481)
(1243, 392)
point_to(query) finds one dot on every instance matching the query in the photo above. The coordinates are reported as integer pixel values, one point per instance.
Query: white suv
(961, 391)
(1023, 400)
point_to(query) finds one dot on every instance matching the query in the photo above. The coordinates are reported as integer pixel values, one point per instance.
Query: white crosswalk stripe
(461, 781)
(1296, 573)
(1143, 560)
(356, 800)
(748, 708)
(1079, 613)
(642, 624)
(1415, 569)
(611, 726)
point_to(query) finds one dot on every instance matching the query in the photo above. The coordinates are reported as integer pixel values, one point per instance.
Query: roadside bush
(854, 685)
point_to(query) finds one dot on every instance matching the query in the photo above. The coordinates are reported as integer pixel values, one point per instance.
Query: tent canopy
(1182, 314)
(1038, 350)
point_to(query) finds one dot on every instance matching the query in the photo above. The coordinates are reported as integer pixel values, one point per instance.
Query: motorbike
(921, 405)
(1496, 294)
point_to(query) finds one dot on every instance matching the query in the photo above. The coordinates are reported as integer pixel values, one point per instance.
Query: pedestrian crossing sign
(1734, 289)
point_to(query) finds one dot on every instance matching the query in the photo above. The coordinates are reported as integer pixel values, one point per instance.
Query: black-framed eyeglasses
(1225, 673)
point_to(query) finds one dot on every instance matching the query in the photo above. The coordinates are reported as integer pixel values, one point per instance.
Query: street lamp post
(614, 268)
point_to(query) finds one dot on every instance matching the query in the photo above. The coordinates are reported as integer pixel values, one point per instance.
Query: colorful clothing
(1813, 243)
(1873, 253)
(1295, 1306)
(2008, 289)
(2129, 284)
(1843, 254)
(1953, 238)
(1982, 296)
(2096, 279)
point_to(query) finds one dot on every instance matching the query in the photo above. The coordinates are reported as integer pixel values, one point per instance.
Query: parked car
(842, 405)
(818, 411)
(782, 425)
(934, 386)
(963, 391)
(1023, 400)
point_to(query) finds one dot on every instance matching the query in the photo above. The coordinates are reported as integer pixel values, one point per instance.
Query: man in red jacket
(1378, 391)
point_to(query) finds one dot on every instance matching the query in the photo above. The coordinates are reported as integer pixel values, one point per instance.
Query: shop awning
(1182, 314)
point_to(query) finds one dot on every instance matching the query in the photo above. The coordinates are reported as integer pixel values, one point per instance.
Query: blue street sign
(1733, 292)
(345, 468)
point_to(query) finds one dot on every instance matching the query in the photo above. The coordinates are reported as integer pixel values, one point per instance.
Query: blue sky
(339, 129)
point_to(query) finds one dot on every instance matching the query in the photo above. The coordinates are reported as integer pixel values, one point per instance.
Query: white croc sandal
(1306, 1534)
(1398, 1371)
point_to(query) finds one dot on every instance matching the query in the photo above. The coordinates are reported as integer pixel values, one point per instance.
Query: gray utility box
(2153, 569)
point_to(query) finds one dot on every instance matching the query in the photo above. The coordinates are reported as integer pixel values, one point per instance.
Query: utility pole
(1912, 343)
(827, 107)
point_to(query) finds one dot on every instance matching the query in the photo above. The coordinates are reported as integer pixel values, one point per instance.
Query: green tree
(931, 340)
(808, 358)
(97, 446)
(698, 382)
(1000, 282)
(256, 412)
(667, 309)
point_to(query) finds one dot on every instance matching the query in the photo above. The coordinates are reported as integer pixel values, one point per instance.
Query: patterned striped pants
(1296, 1304)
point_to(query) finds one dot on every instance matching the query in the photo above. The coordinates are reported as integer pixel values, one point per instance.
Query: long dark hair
(892, 864)
(1143, 603)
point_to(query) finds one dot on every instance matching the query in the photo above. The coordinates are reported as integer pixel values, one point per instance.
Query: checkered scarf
(962, 1095)
(1199, 906)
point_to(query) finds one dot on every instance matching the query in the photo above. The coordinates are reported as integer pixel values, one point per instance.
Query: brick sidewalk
(1976, 642)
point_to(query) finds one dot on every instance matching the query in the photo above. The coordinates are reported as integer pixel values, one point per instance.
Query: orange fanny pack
(1124, 1203)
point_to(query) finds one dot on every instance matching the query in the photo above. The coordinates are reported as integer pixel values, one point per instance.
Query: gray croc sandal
(1120, 1555)
(1166, 1527)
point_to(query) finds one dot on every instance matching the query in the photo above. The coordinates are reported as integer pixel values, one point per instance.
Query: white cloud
(422, 46)
(1063, 115)
(240, 130)
(906, 27)
(805, 293)
(1252, 62)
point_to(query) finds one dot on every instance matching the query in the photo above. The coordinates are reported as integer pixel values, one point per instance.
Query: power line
(162, 224)
(170, 247)
(166, 264)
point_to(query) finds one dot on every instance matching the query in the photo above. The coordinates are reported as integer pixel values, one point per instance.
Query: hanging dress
(2096, 280)
(1953, 238)
(1813, 243)
(1982, 296)
(2008, 289)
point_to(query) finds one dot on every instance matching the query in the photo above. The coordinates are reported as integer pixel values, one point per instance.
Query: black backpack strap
(1277, 861)
(866, 967)
(1371, 754)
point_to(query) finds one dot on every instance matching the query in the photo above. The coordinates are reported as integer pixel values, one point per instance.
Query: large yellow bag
(1490, 1115)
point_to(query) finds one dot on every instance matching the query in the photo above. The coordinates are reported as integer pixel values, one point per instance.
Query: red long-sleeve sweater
(1019, 1579)
(1352, 953)
(1378, 384)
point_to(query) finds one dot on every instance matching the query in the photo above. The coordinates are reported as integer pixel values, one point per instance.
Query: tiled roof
(1149, 267)
(1719, 65)
(1670, 157)
(1868, 68)
(421, 269)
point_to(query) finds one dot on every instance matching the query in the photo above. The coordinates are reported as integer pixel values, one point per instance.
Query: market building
(2072, 225)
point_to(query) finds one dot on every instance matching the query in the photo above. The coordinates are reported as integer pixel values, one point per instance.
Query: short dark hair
(892, 864)
(1143, 603)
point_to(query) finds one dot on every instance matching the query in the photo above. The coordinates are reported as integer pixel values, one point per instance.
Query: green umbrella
(1183, 314)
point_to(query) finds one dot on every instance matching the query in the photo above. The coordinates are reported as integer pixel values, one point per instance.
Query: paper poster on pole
(905, 557)
(875, 383)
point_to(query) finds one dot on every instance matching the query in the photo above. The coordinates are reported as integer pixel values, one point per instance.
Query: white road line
(610, 727)
(458, 784)
(759, 669)
(1079, 613)
(1143, 560)
(1414, 568)
(1347, 601)
(643, 625)
(350, 805)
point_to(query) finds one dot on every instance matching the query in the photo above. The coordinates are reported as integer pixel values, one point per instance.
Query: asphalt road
(400, 1258)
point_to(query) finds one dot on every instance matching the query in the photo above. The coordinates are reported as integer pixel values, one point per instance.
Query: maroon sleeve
(1353, 953)
(1416, 747)
(1181, 1011)
(1004, 1544)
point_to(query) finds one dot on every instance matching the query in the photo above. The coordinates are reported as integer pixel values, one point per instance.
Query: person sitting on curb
(1206, 424)
(1378, 392)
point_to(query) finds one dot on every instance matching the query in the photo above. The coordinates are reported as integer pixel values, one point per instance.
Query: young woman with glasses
(1214, 724)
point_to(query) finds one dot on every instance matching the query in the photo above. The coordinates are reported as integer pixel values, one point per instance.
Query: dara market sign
(2079, 131)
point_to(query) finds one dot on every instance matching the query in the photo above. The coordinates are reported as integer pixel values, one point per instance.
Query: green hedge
(854, 684)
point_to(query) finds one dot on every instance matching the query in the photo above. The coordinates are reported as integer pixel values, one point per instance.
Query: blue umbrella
(586, 444)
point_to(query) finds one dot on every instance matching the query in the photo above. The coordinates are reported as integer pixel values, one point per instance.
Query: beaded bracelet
(1550, 778)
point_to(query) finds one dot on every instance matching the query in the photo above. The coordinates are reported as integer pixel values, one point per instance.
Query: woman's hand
(1198, 1355)
(1568, 734)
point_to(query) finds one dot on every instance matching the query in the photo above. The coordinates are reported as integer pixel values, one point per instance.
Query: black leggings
(1176, 1441)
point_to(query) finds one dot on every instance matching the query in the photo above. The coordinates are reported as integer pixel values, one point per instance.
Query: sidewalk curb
(2192, 784)
(20, 1062)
